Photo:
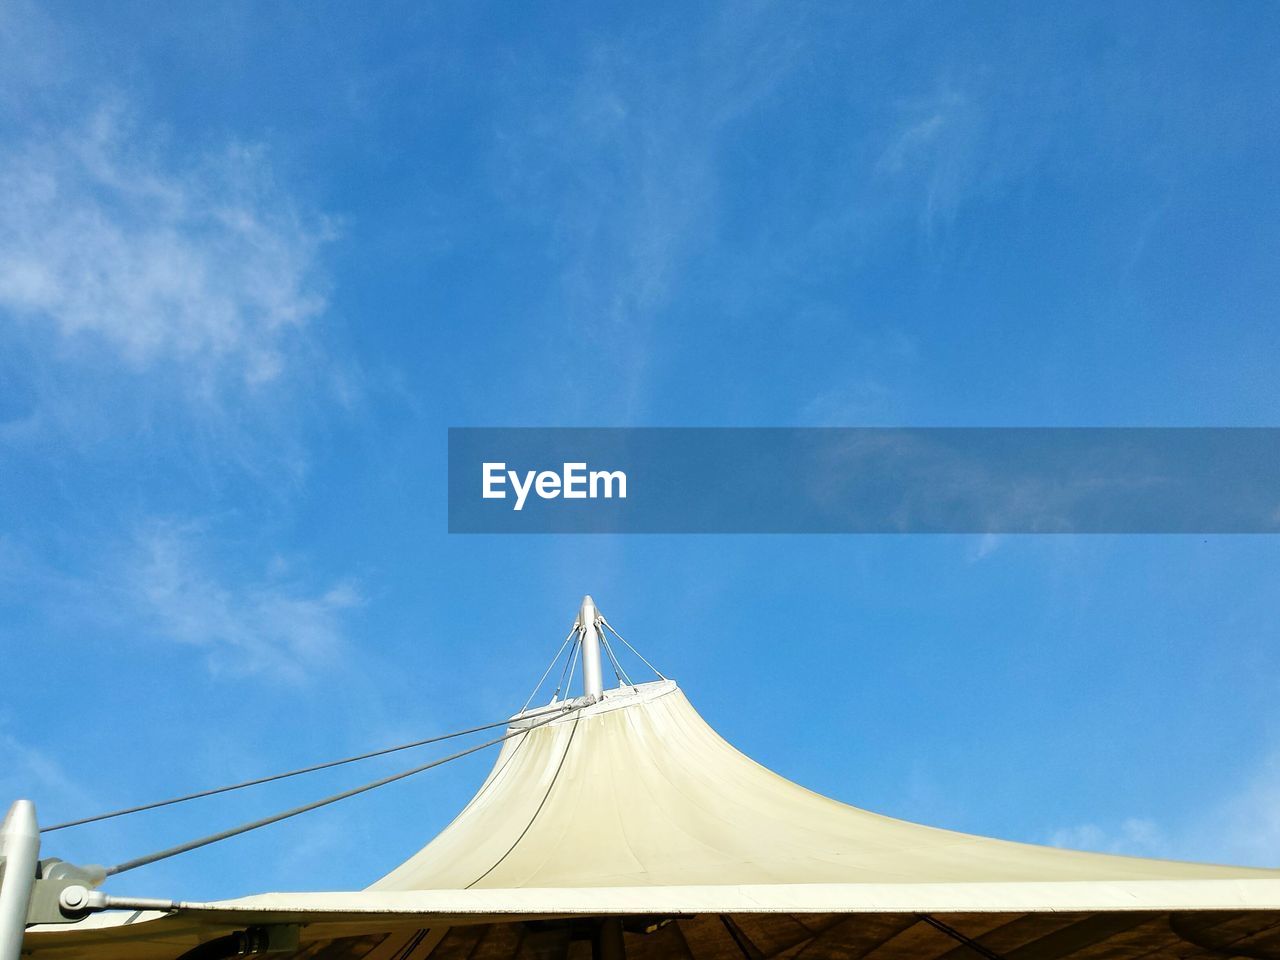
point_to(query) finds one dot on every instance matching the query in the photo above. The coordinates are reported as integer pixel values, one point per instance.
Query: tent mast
(19, 848)
(589, 631)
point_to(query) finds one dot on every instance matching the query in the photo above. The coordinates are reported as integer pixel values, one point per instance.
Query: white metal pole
(592, 679)
(20, 846)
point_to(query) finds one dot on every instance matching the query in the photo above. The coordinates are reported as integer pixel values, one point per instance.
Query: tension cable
(272, 778)
(632, 649)
(276, 818)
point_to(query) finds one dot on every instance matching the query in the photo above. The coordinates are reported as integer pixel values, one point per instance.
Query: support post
(608, 943)
(592, 678)
(20, 847)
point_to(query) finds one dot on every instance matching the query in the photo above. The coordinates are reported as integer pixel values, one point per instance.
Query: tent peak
(588, 627)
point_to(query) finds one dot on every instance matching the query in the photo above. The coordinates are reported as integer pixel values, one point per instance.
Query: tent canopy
(639, 791)
(632, 808)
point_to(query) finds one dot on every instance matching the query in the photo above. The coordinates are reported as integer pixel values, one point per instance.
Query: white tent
(629, 827)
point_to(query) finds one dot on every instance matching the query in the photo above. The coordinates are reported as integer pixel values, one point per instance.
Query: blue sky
(254, 260)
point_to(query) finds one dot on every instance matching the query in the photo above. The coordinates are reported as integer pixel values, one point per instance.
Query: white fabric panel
(639, 791)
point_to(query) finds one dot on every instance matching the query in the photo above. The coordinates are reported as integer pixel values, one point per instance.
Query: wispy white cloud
(1246, 824)
(915, 137)
(855, 400)
(159, 309)
(29, 771)
(624, 164)
(118, 248)
(868, 391)
(169, 583)
(1241, 827)
(265, 624)
(1134, 836)
(983, 546)
(935, 152)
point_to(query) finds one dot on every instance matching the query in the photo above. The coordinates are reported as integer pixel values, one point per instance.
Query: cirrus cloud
(266, 624)
(126, 251)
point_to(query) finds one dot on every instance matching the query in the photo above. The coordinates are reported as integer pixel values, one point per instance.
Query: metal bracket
(53, 877)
